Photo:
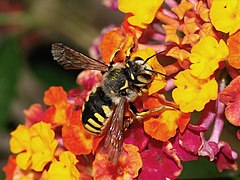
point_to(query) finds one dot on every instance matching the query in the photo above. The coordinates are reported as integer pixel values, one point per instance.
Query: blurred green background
(27, 30)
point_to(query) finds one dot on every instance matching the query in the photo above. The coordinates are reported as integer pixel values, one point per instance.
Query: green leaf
(10, 60)
(203, 169)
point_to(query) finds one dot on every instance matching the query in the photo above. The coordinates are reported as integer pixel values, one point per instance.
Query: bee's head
(139, 72)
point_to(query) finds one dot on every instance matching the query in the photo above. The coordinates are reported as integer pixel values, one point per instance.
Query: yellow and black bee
(122, 82)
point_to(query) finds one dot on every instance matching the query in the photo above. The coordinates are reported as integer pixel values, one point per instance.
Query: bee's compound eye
(147, 66)
(144, 78)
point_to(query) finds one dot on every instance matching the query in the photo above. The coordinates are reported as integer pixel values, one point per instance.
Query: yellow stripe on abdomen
(91, 129)
(94, 123)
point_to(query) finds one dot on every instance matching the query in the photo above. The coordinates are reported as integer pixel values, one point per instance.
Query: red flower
(226, 158)
(10, 168)
(160, 162)
(188, 143)
(34, 114)
(136, 136)
(87, 79)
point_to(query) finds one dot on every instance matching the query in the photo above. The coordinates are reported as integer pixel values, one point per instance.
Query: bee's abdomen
(96, 111)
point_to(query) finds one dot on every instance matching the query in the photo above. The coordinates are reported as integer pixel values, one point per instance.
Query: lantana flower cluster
(198, 46)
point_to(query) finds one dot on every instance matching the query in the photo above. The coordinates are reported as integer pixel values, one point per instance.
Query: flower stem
(219, 121)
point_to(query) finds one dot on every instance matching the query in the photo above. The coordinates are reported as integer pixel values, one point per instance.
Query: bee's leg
(133, 108)
(143, 114)
(128, 120)
(113, 56)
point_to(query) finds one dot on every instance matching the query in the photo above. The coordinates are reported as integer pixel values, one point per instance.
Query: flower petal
(226, 158)
(164, 126)
(75, 133)
(199, 91)
(10, 168)
(111, 43)
(56, 98)
(182, 8)
(64, 168)
(127, 168)
(225, 15)
(19, 139)
(234, 50)
(231, 97)
(142, 12)
(55, 95)
(171, 34)
(136, 136)
(160, 162)
(206, 55)
(42, 145)
(179, 54)
(87, 79)
(34, 114)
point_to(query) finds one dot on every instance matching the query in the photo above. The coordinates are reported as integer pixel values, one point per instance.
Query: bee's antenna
(160, 73)
(153, 56)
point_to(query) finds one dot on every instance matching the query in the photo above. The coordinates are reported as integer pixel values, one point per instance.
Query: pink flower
(160, 162)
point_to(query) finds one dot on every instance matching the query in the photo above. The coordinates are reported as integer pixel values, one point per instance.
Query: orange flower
(190, 39)
(234, 50)
(182, 8)
(56, 98)
(142, 12)
(116, 44)
(165, 125)
(202, 11)
(12, 171)
(189, 26)
(171, 33)
(34, 146)
(111, 43)
(193, 93)
(231, 97)
(127, 168)
(162, 125)
(75, 137)
(159, 80)
(179, 54)
(207, 30)
(10, 168)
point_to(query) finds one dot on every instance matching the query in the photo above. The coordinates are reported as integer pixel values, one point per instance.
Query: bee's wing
(71, 59)
(114, 138)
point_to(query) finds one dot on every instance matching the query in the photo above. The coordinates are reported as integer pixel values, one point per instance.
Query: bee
(122, 83)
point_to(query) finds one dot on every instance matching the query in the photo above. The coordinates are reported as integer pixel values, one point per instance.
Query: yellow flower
(225, 15)
(34, 146)
(206, 55)
(193, 93)
(65, 168)
(142, 12)
(159, 80)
